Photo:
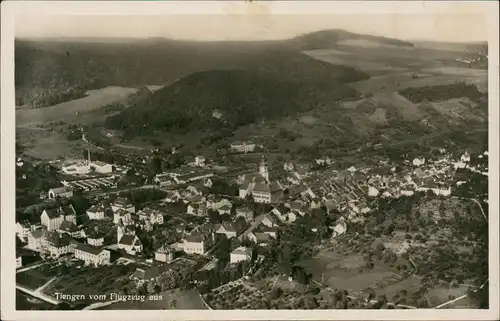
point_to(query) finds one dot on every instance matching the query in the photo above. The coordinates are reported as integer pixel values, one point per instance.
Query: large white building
(92, 255)
(123, 204)
(53, 218)
(131, 244)
(101, 167)
(60, 192)
(164, 254)
(194, 244)
(243, 147)
(77, 168)
(260, 187)
(96, 212)
(240, 254)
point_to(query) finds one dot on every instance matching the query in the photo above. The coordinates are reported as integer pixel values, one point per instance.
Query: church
(259, 186)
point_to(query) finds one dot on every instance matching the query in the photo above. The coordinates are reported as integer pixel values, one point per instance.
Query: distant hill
(279, 86)
(441, 92)
(328, 39)
(51, 71)
(466, 47)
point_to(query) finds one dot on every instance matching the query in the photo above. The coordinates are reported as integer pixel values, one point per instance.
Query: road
(38, 295)
(30, 267)
(255, 224)
(460, 297)
(99, 305)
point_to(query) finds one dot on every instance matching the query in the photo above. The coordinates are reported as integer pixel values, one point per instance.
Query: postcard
(249, 160)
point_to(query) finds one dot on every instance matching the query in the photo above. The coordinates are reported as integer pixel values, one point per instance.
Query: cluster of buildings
(186, 175)
(91, 183)
(259, 186)
(351, 192)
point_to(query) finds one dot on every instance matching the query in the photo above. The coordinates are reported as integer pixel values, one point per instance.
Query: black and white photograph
(250, 157)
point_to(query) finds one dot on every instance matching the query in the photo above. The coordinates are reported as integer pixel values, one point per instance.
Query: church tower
(263, 169)
(120, 231)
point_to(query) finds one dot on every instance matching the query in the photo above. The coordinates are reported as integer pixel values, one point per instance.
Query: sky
(457, 27)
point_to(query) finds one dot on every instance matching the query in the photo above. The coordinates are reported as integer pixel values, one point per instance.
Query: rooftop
(89, 249)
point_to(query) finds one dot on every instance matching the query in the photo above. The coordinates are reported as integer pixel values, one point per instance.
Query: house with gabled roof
(197, 209)
(59, 245)
(164, 180)
(227, 229)
(240, 254)
(218, 203)
(96, 212)
(37, 240)
(244, 212)
(172, 196)
(269, 221)
(92, 255)
(153, 216)
(124, 216)
(192, 191)
(95, 239)
(131, 244)
(271, 231)
(194, 244)
(69, 228)
(206, 229)
(164, 254)
(195, 199)
(267, 192)
(23, 229)
(225, 209)
(122, 203)
(60, 192)
(53, 218)
(281, 209)
(259, 237)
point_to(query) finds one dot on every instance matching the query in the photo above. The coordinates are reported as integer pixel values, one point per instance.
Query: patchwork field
(347, 272)
(72, 109)
(44, 144)
(90, 281)
(32, 279)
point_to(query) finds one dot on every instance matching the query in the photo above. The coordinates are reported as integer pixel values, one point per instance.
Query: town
(236, 235)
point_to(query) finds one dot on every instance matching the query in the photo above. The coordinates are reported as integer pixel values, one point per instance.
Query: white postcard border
(10, 9)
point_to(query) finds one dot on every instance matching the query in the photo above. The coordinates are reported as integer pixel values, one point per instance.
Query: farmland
(95, 99)
(32, 279)
(89, 281)
(347, 272)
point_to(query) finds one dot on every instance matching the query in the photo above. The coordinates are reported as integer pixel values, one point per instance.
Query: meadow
(27, 117)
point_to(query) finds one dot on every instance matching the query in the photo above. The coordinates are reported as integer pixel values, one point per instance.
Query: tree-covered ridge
(51, 72)
(326, 39)
(242, 96)
(441, 92)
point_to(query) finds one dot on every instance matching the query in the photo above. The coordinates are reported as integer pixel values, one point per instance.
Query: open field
(89, 281)
(441, 294)
(393, 69)
(236, 295)
(346, 272)
(173, 299)
(32, 279)
(45, 144)
(67, 110)
(27, 302)
(413, 282)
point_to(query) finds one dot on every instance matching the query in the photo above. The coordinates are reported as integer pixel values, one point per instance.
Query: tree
(301, 275)
(223, 250)
(276, 292)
